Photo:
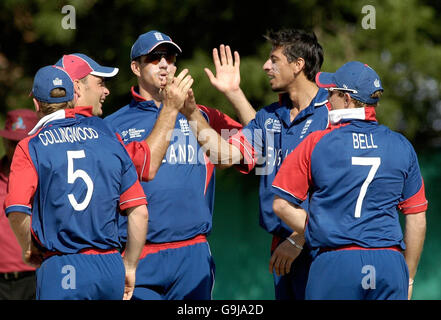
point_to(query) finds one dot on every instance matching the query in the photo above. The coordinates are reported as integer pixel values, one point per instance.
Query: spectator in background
(17, 279)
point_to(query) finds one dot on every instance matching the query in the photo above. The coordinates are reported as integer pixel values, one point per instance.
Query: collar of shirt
(140, 102)
(343, 115)
(62, 114)
(285, 102)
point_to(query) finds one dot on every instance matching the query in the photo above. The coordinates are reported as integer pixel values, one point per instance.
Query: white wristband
(411, 282)
(294, 243)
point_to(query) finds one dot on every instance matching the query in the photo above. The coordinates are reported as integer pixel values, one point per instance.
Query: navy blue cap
(51, 77)
(357, 78)
(149, 41)
(78, 65)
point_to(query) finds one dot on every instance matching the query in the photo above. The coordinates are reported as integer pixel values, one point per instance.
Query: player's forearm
(294, 216)
(159, 139)
(21, 223)
(244, 110)
(137, 225)
(217, 149)
(414, 235)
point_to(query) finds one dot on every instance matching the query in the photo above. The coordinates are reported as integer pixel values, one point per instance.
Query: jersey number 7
(374, 162)
(74, 175)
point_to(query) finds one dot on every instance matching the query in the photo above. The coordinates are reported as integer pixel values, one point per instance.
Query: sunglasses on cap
(342, 89)
(156, 56)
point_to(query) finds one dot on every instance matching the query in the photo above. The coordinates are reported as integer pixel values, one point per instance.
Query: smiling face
(280, 72)
(152, 69)
(91, 91)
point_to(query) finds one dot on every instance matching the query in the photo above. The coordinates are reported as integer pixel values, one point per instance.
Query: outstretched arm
(173, 95)
(221, 153)
(227, 81)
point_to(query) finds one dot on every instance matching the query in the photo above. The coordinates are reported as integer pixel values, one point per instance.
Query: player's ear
(36, 105)
(136, 68)
(77, 89)
(299, 65)
(347, 100)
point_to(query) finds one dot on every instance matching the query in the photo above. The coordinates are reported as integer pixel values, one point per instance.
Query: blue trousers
(175, 273)
(81, 276)
(379, 274)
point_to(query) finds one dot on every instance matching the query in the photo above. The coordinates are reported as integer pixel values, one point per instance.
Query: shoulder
(268, 111)
(116, 116)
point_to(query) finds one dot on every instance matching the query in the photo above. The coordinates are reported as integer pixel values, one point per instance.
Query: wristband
(411, 281)
(294, 243)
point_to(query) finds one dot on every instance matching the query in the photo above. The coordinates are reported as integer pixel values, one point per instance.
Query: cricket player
(270, 135)
(67, 180)
(176, 262)
(358, 175)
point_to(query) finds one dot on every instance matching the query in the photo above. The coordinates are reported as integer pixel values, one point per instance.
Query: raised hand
(227, 77)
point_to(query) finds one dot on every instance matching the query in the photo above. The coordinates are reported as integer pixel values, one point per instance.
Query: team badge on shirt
(273, 125)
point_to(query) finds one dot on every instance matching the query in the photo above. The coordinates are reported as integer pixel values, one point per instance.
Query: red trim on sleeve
(209, 172)
(246, 149)
(23, 178)
(132, 197)
(219, 120)
(415, 204)
(139, 152)
(294, 176)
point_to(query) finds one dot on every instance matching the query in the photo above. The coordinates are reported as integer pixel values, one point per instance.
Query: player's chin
(97, 110)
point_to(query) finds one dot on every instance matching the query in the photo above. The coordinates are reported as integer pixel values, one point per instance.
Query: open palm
(227, 70)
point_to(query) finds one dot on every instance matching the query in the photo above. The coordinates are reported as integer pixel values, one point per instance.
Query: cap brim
(105, 72)
(158, 44)
(325, 80)
(16, 136)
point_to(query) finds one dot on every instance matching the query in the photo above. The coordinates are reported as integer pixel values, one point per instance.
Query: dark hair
(296, 44)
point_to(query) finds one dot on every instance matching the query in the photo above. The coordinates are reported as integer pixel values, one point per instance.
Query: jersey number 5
(374, 162)
(74, 175)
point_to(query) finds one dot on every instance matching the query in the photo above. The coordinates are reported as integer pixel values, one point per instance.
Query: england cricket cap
(356, 78)
(79, 65)
(149, 41)
(51, 77)
(18, 123)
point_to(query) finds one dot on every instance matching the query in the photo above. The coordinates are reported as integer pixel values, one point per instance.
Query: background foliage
(404, 48)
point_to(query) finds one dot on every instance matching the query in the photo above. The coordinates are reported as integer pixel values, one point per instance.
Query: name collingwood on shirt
(67, 135)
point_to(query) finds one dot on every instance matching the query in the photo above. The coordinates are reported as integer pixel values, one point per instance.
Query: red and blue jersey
(268, 139)
(181, 196)
(357, 173)
(71, 175)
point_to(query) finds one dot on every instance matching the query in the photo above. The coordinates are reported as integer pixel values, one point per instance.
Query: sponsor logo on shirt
(132, 133)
